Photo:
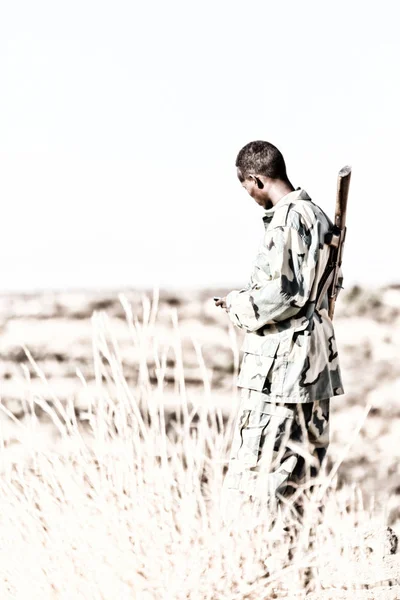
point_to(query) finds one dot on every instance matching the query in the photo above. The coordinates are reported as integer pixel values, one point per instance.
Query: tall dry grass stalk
(128, 505)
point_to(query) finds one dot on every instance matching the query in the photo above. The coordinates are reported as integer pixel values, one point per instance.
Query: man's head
(260, 167)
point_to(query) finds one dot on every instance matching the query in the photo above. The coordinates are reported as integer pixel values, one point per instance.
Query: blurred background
(120, 123)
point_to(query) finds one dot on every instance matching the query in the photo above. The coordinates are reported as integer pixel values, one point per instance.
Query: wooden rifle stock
(339, 234)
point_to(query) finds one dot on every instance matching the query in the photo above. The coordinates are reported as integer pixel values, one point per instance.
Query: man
(290, 367)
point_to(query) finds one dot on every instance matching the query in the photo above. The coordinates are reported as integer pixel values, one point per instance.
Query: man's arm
(282, 293)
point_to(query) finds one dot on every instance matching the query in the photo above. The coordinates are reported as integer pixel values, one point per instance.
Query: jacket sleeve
(280, 293)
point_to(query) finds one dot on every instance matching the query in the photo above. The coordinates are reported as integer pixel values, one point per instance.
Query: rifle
(335, 239)
(338, 234)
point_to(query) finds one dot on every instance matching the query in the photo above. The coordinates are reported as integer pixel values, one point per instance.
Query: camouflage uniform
(290, 366)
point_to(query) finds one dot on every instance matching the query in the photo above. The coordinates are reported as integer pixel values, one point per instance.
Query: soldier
(290, 367)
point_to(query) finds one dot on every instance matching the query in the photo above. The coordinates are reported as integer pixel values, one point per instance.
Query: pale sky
(120, 123)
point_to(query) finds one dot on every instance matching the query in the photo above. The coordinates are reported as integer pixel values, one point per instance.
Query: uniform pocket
(265, 361)
(259, 355)
(254, 370)
(249, 435)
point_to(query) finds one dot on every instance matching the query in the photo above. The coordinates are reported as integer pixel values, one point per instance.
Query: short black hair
(261, 158)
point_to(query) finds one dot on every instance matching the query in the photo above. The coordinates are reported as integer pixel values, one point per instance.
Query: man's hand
(220, 302)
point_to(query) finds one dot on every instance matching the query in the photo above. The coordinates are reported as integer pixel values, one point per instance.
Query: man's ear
(259, 183)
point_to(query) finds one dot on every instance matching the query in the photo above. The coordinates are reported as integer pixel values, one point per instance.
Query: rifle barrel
(343, 184)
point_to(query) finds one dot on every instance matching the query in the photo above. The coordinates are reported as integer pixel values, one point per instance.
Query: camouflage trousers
(275, 449)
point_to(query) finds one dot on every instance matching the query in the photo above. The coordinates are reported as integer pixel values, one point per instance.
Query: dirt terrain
(58, 330)
(78, 368)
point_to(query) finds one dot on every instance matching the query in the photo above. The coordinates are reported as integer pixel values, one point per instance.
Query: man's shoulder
(305, 214)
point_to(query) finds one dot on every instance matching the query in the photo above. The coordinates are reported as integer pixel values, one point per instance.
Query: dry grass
(127, 506)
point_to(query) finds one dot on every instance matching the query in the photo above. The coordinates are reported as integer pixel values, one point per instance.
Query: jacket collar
(297, 194)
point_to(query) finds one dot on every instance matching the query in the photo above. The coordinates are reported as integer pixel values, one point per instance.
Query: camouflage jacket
(290, 352)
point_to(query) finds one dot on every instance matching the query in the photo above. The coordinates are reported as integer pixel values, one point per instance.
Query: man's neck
(279, 189)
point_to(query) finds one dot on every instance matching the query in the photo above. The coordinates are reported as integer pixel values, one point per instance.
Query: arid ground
(59, 350)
